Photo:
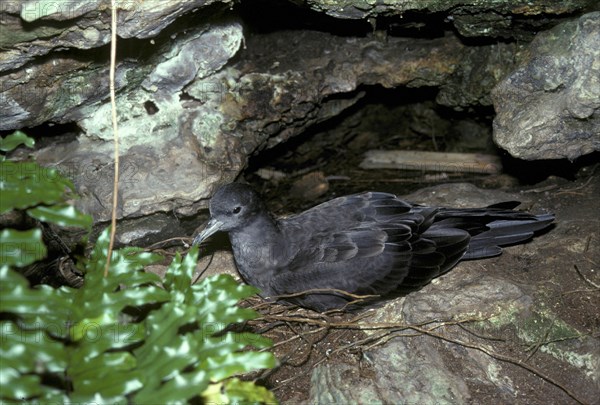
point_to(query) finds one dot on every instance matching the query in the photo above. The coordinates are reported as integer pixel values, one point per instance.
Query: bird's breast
(259, 260)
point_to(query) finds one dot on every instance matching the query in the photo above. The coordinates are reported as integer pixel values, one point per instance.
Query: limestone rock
(33, 28)
(507, 18)
(169, 151)
(403, 372)
(548, 108)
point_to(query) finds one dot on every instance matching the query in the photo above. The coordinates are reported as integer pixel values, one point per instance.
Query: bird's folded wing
(348, 212)
(359, 260)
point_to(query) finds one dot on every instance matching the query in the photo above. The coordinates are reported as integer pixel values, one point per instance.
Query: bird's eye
(237, 210)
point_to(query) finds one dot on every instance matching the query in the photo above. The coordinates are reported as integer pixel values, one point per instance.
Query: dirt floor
(561, 273)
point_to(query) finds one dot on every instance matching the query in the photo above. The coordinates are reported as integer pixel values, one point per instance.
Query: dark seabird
(365, 244)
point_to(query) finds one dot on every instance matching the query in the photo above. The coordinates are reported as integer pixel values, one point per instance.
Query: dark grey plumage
(370, 243)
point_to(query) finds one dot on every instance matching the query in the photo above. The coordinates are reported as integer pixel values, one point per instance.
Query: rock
(169, 148)
(45, 26)
(218, 262)
(427, 366)
(548, 108)
(481, 68)
(280, 98)
(187, 123)
(54, 90)
(462, 195)
(508, 18)
(403, 372)
(310, 186)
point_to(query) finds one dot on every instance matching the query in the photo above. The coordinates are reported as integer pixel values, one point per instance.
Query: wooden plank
(432, 161)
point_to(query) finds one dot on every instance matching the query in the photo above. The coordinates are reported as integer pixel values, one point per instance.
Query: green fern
(126, 338)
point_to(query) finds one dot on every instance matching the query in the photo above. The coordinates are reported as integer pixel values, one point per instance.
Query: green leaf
(123, 338)
(40, 307)
(237, 363)
(108, 373)
(247, 392)
(62, 215)
(17, 387)
(179, 276)
(223, 286)
(180, 386)
(41, 351)
(21, 248)
(124, 262)
(27, 184)
(162, 327)
(15, 139)
(22, 352)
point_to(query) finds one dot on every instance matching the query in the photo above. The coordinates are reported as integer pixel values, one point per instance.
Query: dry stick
(295, 337)
(350, 324)
(200, 273)
(587, 280)
(480, 335)
(325, 291)
(587, 243)
(113, 104)
(284, 360)
(536, 346)
(156, 245)
(378, 340)
(309, 344)
(327, 356)
(572, 190)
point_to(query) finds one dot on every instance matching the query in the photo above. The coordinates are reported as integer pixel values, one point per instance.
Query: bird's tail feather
(493, 227)
(505, 233)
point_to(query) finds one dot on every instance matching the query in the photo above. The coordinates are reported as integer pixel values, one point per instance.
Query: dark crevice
(399, 117)
(151, 107)
(268, 16)
(49, 133)
(393, 105)
(535, 171)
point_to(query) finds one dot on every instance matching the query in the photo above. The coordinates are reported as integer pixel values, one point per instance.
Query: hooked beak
(212, 227)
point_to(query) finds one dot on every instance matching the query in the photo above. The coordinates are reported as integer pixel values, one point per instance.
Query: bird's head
(232, 207)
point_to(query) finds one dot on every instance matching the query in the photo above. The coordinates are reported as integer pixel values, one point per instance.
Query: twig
(480, 336)
(113, 103)
(587, 280)
(324, 291)
(310, 344)
(595, 290)
(200, 273)
(353, 324)
(572, 190)
(587, 243)
(539, 343)
(295, 337)
(161, 242)
(540, 189)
